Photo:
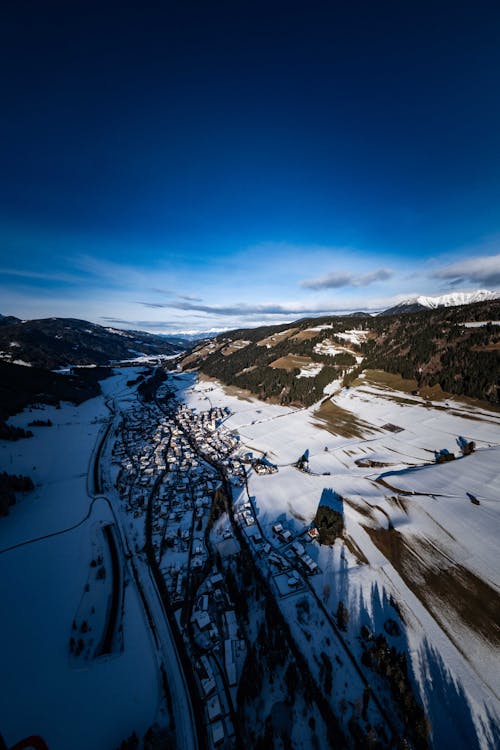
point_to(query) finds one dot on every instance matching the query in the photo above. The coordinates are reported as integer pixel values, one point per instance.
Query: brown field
(305, 335)
(363, 508)
(230, 390)
(392, 488)
(390, 381)
(276, 338)
(234, 346)
(290, 362)
(447, 589)
(341, 422)
(194, 357)
(387, 380)
(355, 550)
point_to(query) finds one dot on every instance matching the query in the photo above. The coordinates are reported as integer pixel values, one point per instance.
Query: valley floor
(47, 544)
(412, 580)
(418, 533)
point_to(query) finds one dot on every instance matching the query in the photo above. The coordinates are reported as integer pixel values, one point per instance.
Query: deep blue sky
(231, 151)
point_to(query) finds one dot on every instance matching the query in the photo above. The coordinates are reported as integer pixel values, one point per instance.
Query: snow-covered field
(424, 533)
(420, 547)
(44, 692)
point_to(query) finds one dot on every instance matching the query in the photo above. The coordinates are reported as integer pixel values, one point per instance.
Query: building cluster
(165, 462)
(214, 442)
(170, 463)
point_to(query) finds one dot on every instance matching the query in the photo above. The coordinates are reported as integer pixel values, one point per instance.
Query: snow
(41, 587)
(454, 668)
(453, 299)
(321, 328)
(480, 324)
(310, 371)
(439, 512)
(328, 347)
(356, 336)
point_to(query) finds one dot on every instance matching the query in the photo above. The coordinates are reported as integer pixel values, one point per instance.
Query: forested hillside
(457, 348)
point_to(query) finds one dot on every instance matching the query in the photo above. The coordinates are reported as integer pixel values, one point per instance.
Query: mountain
(452, 347)
(58, 342)
(454, 299)
(8, 320)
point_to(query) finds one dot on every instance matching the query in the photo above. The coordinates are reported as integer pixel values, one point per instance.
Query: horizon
(198, 334)
(191, 169)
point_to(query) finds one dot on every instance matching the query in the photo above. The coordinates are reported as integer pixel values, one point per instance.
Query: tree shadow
(449, 710)
(452, 721)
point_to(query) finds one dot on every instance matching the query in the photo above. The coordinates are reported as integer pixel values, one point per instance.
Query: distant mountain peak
(453, 299)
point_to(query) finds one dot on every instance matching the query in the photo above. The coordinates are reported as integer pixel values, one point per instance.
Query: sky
(198, 166)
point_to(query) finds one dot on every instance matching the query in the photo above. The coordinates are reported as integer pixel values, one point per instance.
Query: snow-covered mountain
(453, 299)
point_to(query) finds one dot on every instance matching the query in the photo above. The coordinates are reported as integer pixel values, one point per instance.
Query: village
(170, 465)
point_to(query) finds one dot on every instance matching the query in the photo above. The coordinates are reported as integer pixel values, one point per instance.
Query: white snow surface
(456, 670)
(356, 336)
(310, 371)
(481, 323)
(41, 585)
(453, 298)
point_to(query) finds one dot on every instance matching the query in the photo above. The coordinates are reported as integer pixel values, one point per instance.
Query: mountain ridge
(432, 302)
(58, 342)
(453, 347)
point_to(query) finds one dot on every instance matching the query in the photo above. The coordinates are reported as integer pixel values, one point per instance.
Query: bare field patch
(276, 338)
(234, 346)
(341, 422)
(355, 550)
(305, 335)
(473, 404)
(230, 390)
(389, 396)
(442, 585)
(390, 381)
(194, 357)
(362, 508)
(393, 382)
(387, 380)
(392, 488)
(398, 501)
(290, 362)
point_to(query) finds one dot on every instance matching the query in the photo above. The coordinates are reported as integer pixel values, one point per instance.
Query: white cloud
(68, 278)
(480, 270)
(338, 280)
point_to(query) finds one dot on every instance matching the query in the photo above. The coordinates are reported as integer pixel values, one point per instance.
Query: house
(202, 619)
(298, 548)
(229, 662)
(231, 623)
(213, 708)
(208, 686)
(309, 563)
(217, 729)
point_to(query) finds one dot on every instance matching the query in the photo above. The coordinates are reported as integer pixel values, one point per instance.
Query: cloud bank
(482, 270)
(338, 280)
